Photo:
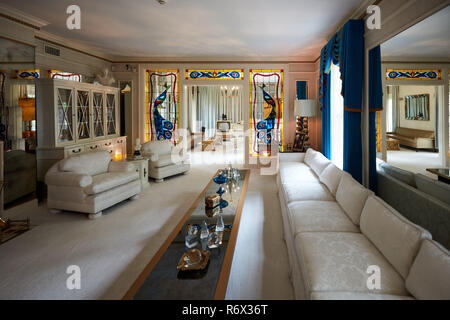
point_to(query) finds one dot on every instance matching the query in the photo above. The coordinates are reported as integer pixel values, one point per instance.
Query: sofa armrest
(68, 179)
(120, 166)
(291, 157)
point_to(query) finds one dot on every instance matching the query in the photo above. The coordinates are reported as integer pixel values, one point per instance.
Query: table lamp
(303, 109)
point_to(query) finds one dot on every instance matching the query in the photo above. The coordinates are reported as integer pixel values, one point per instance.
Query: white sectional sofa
(337, 231)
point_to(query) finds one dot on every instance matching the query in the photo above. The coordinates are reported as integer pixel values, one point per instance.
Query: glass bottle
(204, 235)
(220, 227)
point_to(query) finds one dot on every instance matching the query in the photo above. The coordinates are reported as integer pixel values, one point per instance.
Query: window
(56, 74)
(389, 114)
(337, 118)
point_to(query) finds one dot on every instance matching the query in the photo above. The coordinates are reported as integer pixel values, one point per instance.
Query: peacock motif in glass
(265, 127)
(163, 127)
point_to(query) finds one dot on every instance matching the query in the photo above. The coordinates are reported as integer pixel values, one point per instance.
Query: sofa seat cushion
(397, 238)
(105, 181)
(345, 295)
(301, 191)
(296, 171)
(429, 277)
(164, 161)
(313, 216)
(338, 261)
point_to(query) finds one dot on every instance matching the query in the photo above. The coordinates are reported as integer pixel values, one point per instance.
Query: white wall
(417, 124)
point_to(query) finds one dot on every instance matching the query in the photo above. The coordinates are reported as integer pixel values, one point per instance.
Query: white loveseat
(337, 233)
(90, 182)
(165, 160)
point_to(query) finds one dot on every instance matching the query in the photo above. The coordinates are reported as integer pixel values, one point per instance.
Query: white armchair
(90, 182)
(165, 160)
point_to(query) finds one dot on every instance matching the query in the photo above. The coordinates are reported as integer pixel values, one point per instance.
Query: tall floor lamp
(303, 109)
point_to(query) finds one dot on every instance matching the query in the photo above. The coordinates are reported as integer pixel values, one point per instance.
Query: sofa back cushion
(397, 238)
(331, 176)
(18, 160)
(309, 155)
(316, 161)
(415, 133)
(157, 147)
(88, 163)
(429, 277)
(435, 188)
(351, 196)
(399, 174)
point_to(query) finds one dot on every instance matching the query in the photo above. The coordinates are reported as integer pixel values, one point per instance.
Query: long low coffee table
(160, 279)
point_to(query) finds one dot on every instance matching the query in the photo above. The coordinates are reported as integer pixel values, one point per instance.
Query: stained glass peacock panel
(266, 112)
(162, 101)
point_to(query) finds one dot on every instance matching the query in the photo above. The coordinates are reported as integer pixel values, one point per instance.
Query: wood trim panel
(222, 283)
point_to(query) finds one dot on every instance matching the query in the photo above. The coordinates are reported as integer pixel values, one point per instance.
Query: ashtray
(193, 260)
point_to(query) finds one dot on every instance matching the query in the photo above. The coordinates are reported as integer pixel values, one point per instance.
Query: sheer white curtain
(337, 118)
(206, 104)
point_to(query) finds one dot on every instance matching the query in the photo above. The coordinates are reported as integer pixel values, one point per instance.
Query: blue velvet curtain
(346, 49)
(375, 104)
(302, 90)
(326, 114)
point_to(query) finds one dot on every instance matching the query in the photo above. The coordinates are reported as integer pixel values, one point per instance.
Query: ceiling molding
(86, 49)
(72, 45)
(416, 61)
(21, 17)
(213, 60)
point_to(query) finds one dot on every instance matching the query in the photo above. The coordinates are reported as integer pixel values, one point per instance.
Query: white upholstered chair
(90, 182)
(165, 160)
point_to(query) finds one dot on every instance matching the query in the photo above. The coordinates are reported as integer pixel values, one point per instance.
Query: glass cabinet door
(65, 114)
(111, 125)
(82, 113)
(98, 103)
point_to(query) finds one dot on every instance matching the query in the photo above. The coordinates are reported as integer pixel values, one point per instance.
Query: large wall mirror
(417, 107)
(17, 122)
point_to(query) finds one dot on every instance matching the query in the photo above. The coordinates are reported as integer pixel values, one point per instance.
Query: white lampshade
(305, 108)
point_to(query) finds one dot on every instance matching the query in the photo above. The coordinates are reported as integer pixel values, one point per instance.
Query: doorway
(412, 127)
(215, 121)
